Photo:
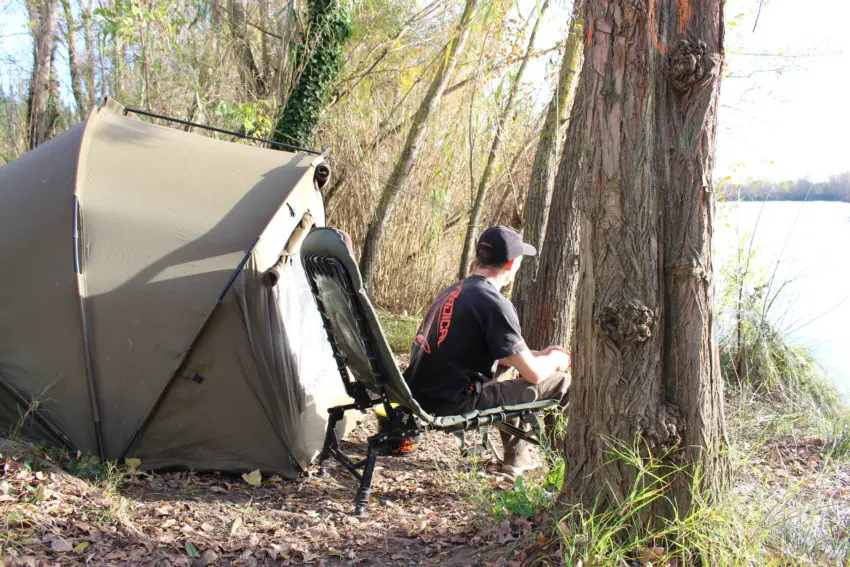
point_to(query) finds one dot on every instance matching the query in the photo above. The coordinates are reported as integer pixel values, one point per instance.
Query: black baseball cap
(500, 245)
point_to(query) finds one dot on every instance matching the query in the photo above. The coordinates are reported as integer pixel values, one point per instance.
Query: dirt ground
(432, 507)
(428, 508)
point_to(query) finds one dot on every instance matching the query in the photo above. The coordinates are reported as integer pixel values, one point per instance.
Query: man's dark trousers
(509, 389)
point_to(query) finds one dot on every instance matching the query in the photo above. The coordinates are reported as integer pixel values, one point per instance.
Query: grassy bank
(788, 500)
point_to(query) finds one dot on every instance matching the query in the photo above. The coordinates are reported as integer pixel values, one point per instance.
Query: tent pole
(223, 131)
(37, 415)
(86, 329)
(185, 357)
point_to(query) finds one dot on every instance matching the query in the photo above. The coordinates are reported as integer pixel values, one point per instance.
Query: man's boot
(516, 453)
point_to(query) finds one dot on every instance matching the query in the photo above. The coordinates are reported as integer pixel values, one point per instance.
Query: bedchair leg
(331, 445)
(361, 501)
(471, 451)
(534, 423)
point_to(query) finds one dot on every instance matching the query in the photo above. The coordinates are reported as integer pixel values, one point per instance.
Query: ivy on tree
(321, 58)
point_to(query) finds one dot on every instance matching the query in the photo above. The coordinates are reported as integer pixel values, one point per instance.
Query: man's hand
(567, 360)
(553, 348)
(562, 357)
(537, 366)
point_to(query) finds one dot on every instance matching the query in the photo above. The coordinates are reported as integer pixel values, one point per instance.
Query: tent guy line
(279, 145)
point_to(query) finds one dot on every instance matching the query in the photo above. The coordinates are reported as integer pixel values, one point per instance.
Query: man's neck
(495, 278)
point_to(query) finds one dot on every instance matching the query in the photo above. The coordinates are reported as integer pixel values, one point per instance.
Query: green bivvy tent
(137, 318)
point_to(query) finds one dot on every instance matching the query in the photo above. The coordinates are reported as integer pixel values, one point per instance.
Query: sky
(784, 117)
(794, 122)
(780, 117)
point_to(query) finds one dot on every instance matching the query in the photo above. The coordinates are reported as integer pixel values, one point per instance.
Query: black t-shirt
(467, 329)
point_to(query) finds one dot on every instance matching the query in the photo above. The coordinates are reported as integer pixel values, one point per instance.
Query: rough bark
(74, 64)
(472, 228)
(641, 146)
(42, 112)
(89, 75)
(686, 111)
(252, 78)
(265, 48)
(113, 69)
(533, 307)
(405, 163)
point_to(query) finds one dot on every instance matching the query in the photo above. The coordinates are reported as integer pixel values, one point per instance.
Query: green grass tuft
(399, 330)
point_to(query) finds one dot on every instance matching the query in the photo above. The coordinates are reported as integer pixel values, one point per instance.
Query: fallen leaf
(650, 554)
(81, 547)
(41, 493)
(237, 523)
(191, 550)
(253, 478)
(61, 545)
(522, 525)
(209, 557)
(132, 464)
(11, 465)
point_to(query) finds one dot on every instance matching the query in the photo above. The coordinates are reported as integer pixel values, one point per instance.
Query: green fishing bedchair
(369, 372)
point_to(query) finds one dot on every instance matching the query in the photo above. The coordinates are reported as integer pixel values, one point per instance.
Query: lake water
(808, 246)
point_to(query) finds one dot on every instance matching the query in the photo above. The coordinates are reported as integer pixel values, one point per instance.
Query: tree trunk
(89, 76)
(74, 64)
(41, 112)
(286, 27)
(114, 68)
(321, 59)
(532, 307)
(646, 367)
(145, 84)
(405, 163)
(265, 49)
(252, 79)
(472, 228)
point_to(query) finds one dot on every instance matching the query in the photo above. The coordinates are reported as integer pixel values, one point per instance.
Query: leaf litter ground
(424, 511)
(431, 507)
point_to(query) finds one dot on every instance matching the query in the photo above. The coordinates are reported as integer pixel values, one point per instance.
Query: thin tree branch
(262, 30)
(499, 66)
(758, 13)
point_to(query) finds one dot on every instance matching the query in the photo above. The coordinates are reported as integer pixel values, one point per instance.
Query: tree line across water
(835, 188)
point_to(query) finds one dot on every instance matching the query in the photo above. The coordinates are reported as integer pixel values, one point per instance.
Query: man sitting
(469, 352)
